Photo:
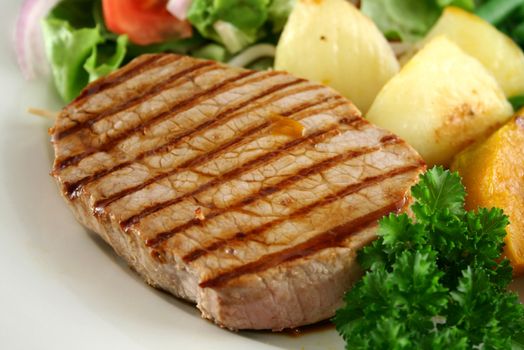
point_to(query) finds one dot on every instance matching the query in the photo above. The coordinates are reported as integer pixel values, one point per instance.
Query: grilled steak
(246, 192)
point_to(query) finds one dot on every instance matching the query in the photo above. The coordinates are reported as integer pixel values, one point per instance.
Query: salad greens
(436, 281)
(496, 12)
(237, 24)
(229, 22)
(408, 20)
(81, 49)
(78, 47)
(517, 102)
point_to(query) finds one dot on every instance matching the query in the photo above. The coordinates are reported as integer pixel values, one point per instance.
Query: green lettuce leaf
(243, 21)
(408, 20)
(497, 11)
(246, 15)
(105, 59)
(239, 23)
(79, 47)
(78, 13)
(68, 50)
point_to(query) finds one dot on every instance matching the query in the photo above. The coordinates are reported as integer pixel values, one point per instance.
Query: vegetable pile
(435, 281)
(86, 39)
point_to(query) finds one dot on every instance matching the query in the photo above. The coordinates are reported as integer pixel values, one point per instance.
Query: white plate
(61, 287)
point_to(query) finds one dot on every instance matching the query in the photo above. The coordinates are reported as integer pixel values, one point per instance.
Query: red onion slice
(179, 8)
(28, 39)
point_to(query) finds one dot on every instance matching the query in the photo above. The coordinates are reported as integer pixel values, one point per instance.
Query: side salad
(86, 39)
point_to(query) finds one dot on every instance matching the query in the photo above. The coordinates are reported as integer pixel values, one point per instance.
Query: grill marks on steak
(161, 237)
(234, 169)
(269, 190)
(264, 191)
(330, 238)
(177, 164)
(279, 83)
(197, 159)
(173, 142)
(258, 228)
(142, 125)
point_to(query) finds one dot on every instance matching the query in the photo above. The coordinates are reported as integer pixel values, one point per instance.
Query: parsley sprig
(435, 281)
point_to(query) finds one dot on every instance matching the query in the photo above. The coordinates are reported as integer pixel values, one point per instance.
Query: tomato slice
(144, 21)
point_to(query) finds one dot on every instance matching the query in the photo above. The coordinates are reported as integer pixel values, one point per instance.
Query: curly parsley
(435, 281)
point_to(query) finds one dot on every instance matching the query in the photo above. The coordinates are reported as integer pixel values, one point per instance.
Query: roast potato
(440, 102)
(496, 51)
(332, 42)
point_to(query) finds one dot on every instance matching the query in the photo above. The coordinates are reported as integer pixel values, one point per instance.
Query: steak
(248, 193)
